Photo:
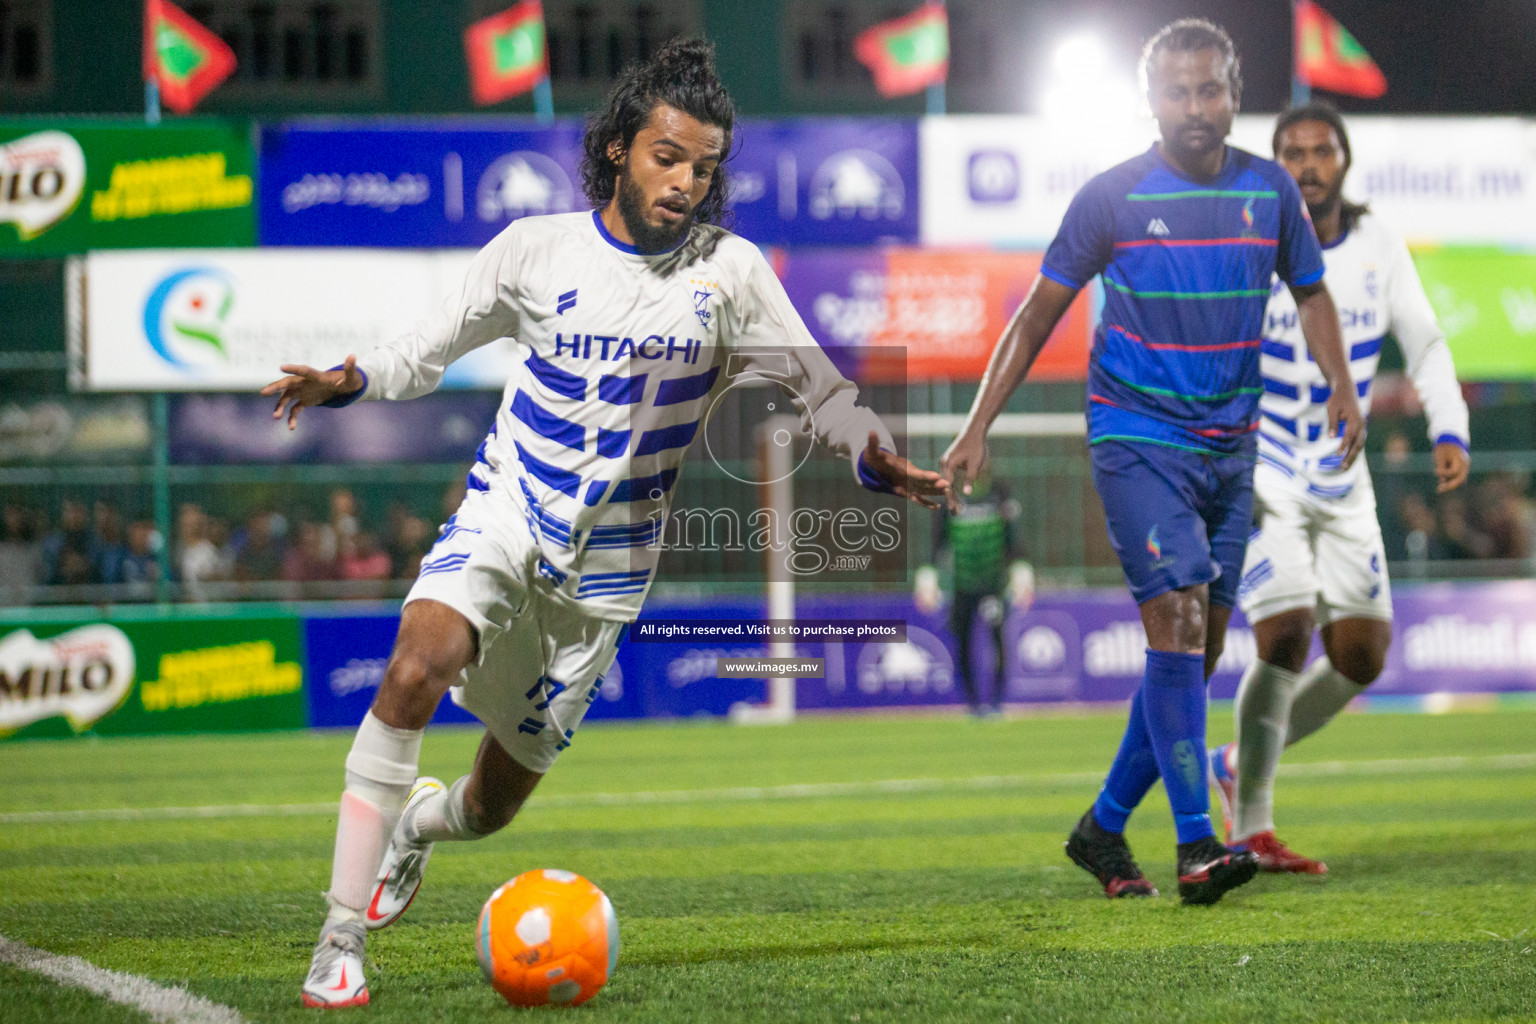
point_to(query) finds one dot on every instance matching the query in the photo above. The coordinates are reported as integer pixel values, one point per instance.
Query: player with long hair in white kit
(1316, 555)
(623, 318)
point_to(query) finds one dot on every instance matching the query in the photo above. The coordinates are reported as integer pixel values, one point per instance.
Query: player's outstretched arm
(1320, 327)
(306, 386)
(1021, 341)
(904, 479)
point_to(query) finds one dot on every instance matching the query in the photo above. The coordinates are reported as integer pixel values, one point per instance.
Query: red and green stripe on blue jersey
(1187, 268)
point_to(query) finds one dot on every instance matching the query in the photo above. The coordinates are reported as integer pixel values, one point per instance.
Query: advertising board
(69, 186)
(189, 673)
(225, 319)
(1007, 180)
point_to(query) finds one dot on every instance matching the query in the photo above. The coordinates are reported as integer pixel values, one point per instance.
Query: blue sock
(1174, 705)
(1130, 775)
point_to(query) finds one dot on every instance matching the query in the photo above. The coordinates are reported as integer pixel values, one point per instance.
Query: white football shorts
(1317, 553)
(541, 661)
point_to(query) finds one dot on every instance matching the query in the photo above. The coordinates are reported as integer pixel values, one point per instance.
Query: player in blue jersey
(1187, 237)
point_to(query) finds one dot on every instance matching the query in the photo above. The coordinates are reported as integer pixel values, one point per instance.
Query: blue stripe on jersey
(683, 389)
(640, 488)
(1321, 392)
(1272, 439)
(1278, 349)
(625, 535)
(1281, 388)
(611, 443)
(677, 436)
(474, 483)
(550, 525)
(547, 424)
(1187, 274)
(1314, 431)
(1289, 426)
(595, 492)
(1361, 349)
(1330, 492)
(621, 390)
(562, 480)
(557, 380)
(1270, 460)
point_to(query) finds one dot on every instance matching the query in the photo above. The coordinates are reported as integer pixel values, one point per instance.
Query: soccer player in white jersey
(1316, 556)
(626, 318)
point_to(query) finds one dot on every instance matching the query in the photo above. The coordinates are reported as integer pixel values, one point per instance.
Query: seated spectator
(69, 553)
(21, 556)
(410, 538)
(110, 550)
(141, 561)
(306, 561)
(1462, 538)
(362, 558)
(200, 561)
(261, 547)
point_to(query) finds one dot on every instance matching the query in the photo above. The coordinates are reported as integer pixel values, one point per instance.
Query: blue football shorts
(1176, 518)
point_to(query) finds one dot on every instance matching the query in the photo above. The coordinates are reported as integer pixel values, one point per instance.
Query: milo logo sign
(81, 675)
(42, 177)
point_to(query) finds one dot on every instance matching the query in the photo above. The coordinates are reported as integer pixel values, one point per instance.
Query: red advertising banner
(945, 308)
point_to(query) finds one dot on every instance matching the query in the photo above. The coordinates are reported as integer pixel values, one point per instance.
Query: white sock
(1263, 707)
(441, 816)
(380, 772)
(1323, 693)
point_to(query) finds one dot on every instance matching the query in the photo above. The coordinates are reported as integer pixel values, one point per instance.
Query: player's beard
(1330, 201)
(648, 237)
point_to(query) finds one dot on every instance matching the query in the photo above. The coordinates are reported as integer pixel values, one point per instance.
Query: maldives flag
(907, 54)
(184, 57)
(1327, 56)
(506, 53)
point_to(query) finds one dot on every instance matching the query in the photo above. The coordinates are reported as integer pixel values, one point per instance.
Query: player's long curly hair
(1324, 113)
(682, 75)
(1188, 35)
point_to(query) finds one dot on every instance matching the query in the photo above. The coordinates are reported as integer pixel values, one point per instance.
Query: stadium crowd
(288, 552)
(268, 553)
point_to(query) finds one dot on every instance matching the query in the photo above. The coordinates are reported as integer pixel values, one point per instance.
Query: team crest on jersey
(702, 293)
(1370, 282)
(1157, 228)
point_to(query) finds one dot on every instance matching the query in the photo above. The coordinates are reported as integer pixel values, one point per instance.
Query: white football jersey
(618, 355)
(1377, 291)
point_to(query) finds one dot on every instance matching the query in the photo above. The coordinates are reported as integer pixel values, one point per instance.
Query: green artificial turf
(918, 878)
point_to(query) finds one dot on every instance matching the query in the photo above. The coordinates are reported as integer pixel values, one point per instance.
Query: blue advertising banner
(449, 184)
(826, 181)
(382, 184)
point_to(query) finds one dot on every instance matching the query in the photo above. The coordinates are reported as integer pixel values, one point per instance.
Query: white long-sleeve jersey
(1377, 291)
(619, 354)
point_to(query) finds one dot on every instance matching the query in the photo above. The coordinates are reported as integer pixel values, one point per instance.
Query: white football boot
(404, 864)
(336, 973)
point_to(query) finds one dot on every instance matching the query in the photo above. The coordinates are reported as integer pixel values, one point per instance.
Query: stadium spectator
(409, 539)
(260, 547)
(21, 555)
(199, 561)
(1506, 516)
(341, 524)
(1460, 535)
(110, 549)
(362, 558)
(69, 552)
(307, 561)
(142, 567)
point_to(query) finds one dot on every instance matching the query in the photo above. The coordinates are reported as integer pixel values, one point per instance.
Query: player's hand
(965, 460)
(306, 385)
(1452, 464)
(906, 480)
(1346, 423)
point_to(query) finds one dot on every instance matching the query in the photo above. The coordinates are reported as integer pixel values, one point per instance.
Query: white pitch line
(796, 791)
(166, 1005)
